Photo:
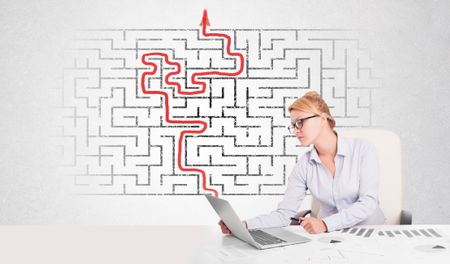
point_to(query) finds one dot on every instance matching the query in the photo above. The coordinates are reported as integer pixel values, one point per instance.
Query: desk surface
(205, 244)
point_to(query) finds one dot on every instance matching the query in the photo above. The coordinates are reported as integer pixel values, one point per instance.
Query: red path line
(200, 123)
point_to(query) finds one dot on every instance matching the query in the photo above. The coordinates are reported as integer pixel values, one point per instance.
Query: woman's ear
(323, 118)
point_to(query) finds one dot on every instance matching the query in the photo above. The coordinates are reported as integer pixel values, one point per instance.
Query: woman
(341, 174)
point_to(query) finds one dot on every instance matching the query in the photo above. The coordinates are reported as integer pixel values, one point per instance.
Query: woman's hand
(313, 225)
(225, 229)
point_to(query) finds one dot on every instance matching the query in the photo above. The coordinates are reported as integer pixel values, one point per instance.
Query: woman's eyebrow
(298, 119)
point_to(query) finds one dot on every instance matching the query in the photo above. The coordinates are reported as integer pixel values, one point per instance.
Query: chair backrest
(388, 149)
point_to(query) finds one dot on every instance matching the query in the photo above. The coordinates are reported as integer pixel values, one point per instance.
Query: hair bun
(312, 94)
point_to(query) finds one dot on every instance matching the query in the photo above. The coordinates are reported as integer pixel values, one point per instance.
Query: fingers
(304, 221)
(308, 227)
(313, 225)
(307, 224)
(224, 228)
(225, 231)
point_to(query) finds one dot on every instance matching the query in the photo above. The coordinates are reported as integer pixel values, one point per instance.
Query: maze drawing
(195, 111)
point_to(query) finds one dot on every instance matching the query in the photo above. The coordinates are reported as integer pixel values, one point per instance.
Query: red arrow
(205, 20)
(204, 23)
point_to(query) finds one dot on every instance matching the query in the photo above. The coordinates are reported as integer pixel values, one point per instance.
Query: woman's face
(311, 127)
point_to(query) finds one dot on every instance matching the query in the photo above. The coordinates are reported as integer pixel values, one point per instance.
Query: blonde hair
(311, 102)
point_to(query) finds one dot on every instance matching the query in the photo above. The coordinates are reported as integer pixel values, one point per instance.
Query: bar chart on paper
(420, 239)
(409, 233)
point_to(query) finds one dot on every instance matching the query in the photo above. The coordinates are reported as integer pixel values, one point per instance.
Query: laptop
(259, 238)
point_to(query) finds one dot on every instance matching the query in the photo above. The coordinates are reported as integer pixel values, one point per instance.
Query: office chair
(388, 149)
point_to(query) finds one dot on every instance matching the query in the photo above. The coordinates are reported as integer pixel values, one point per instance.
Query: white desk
(205, 244)
(379, 247)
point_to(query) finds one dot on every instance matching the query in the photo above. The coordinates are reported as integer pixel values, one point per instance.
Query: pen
(297, 220)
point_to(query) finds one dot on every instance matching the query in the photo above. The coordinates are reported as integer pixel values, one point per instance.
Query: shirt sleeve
(288, 207)
(367, 201)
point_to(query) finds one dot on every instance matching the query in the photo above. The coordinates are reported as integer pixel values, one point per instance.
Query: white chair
(388, 149)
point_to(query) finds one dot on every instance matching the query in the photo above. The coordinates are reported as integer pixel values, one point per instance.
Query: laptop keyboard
(264, 238)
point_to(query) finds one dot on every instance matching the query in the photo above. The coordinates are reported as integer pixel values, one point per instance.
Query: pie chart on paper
(431, 248)
(331, 240)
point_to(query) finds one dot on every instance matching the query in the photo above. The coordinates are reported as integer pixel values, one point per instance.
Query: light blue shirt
(347, 199)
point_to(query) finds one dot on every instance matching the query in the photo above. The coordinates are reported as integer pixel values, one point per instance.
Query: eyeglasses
(298, 124)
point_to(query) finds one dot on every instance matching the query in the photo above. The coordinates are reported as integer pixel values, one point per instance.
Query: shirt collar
(342, 149)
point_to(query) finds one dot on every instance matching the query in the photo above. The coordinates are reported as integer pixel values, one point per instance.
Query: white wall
(408, 42)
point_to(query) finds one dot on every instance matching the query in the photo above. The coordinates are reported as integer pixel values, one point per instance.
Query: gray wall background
(409, 41)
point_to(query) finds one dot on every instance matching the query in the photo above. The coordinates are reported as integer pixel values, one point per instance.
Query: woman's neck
(326, 144)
